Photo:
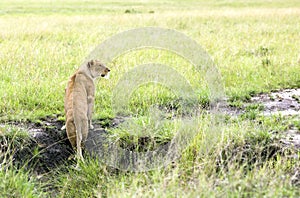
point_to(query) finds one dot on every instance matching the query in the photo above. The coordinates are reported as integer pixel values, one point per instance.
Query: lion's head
(98, 69)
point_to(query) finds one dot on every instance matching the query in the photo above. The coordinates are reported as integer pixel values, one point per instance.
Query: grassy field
(254, 44)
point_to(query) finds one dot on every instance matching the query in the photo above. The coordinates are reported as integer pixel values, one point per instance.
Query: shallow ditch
(48, 146)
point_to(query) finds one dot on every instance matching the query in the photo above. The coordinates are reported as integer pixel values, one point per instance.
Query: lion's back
(69, 94)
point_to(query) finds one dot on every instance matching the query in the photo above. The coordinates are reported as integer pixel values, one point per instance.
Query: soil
(284, 102)
(279, 102)
(49, 147)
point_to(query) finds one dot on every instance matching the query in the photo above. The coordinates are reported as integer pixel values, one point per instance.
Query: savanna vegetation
(255, 46)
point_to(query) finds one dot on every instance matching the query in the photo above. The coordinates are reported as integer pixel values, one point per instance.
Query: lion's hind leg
(82, 127)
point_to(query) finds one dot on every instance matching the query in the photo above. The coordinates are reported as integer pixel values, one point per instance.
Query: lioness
(79, 102)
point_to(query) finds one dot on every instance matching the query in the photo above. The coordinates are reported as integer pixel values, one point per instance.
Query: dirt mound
(46, 148)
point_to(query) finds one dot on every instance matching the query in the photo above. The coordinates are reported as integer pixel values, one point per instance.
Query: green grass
(245, 161)
(19, 184)
(256, 49)
(254, 44)
(16, 182)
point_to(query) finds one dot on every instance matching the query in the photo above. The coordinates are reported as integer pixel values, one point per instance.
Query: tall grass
(255, 49)
(254, 44)
(16, 181)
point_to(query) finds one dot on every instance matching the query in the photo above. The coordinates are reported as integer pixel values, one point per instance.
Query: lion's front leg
(90, 110)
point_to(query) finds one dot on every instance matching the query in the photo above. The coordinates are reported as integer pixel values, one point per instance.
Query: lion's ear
(90, 63)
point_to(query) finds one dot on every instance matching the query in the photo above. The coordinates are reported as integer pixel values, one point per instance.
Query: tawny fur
(79, 102)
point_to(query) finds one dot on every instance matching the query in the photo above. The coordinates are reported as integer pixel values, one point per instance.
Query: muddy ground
(49, 147)
(284, 102)
(279, 102)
